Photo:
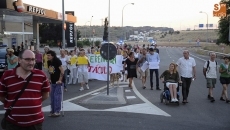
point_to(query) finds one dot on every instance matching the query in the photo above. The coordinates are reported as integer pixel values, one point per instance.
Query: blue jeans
(56, 98)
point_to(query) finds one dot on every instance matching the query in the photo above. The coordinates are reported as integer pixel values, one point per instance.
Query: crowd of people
(71, 67)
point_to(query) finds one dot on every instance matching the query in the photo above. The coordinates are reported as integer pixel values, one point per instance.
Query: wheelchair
(166, 97)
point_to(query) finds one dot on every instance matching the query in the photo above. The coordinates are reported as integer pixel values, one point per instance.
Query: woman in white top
(64, 59)
(73, 68)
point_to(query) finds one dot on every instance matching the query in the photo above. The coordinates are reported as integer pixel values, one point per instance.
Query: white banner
(98, 66)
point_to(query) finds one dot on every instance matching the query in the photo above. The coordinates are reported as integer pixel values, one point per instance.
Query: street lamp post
(90, 29)
(122, 17)
(63, 24)
(206, 25)
(85, 27)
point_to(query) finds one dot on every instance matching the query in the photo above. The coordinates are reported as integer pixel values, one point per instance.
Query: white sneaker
(172, 100)
(81, 89)
(87, 86)
(176, 100)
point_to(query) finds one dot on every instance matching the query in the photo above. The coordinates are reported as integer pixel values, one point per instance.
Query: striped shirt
(28, 109)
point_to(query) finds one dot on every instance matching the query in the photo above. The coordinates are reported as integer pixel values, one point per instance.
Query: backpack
(208, 68)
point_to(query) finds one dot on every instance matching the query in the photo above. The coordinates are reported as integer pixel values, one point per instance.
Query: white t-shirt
(211, 71)
(63, 61)
(185, 66)
(136, 55)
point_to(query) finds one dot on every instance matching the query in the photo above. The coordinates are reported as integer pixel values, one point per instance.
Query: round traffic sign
(108, 51)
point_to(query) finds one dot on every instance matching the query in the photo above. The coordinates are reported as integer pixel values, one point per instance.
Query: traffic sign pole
(108, 53)
(108, 72)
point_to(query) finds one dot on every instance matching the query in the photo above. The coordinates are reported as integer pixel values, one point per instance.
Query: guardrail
(218, 54)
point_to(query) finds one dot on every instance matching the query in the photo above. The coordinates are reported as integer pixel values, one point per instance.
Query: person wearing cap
(12, 60)
(225, 78)
(154, 58)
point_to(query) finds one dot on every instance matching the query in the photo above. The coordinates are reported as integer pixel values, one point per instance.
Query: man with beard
(12, 60)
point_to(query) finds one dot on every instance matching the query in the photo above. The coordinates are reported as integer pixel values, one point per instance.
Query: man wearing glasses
(27, 111)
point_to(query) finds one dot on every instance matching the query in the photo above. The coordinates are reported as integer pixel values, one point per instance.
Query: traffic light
(106, 33)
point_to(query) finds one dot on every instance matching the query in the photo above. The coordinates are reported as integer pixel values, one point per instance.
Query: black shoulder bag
(3, 122)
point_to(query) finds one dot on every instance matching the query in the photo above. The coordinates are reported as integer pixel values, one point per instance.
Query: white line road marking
(198, 57)
(158, 110)
(130, 97)
(127, 91)
(144, 108)
(95, 94)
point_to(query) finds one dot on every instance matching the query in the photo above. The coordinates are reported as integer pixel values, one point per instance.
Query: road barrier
(218, 54)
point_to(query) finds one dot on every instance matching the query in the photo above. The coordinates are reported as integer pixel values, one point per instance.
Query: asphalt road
(142, 108)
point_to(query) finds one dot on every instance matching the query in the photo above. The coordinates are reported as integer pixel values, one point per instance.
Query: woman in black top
(131, 68)
(171, 77)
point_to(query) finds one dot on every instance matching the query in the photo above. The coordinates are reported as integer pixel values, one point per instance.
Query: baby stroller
(166, 97)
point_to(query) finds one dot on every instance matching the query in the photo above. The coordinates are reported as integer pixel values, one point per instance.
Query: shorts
(168, 83)
(211, 82)
(83, 77)
(145, 74)
(224, 80)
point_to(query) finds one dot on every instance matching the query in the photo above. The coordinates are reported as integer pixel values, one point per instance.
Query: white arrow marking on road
(68, 106)
(145, 108)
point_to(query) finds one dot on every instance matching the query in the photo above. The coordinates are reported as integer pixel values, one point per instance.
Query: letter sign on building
(70, 39)
(36, 10)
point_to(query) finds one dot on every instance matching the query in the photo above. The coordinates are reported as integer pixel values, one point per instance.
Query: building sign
(60, 16)
(70, 39)
(14, 41)
(219, 10)
(36, 10)
(70, 31)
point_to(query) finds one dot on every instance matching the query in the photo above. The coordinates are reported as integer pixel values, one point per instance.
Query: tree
(106, 34)
(50, 31)
(223, 31)
(78, 34)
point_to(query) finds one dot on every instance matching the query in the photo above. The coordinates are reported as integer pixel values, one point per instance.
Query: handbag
(3, 122)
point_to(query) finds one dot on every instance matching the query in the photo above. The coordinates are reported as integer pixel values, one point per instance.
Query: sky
(177, 14)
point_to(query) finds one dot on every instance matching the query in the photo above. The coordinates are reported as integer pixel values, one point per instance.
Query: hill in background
(116, 33)
(188, 36)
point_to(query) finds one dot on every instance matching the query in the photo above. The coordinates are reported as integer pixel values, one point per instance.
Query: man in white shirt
(187, 68)
(210, 73)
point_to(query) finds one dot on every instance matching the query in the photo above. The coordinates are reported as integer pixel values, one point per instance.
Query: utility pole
(102, 22)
